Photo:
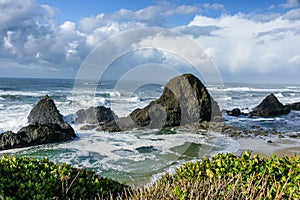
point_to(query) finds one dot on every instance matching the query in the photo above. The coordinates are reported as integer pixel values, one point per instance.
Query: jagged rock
(46, 126)
(95, 115)
(270, 106)
(235, 112)
(9, 140)
(45, 112)
(185, 100)
(35, 134)
(293, 106)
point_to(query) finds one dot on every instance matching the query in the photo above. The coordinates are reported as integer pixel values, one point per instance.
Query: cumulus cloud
(259, 47)
(240, 43)
(29, 37)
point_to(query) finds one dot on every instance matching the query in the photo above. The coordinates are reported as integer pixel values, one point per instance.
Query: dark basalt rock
(45, 112)
(46, 126)
(185, 100)
(35, 134)
(235, 112)
(9, 140)
(95, 115)
(293, 106)
(269, 107)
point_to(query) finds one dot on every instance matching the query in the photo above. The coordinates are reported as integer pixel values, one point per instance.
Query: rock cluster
(269, 107)
(185, 100)
(46, 125)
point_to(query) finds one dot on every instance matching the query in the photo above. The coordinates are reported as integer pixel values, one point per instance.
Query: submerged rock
(269, 107)
(235, 112)
(46, 126)
(146, 149)
(185, 100)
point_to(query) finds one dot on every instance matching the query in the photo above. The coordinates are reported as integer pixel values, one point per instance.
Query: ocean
(137, 156)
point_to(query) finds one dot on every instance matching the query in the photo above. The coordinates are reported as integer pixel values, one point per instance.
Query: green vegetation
(225, 176)
(28, 178)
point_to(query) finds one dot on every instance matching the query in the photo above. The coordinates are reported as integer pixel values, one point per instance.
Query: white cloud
(198, 31)
(7, 41)
(215, 6)
(295, 60)
(68, 26)
(291, 4)
(184, 9)
(293, 14)
(246, 46)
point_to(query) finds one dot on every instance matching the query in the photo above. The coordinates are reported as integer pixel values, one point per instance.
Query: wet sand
(266, 147)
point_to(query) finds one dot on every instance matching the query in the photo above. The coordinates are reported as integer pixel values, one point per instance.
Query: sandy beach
(266, 147)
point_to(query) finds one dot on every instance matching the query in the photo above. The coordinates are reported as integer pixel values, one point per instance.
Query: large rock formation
(185, 100)
(95, 115)
(46, 126)
(269, 107)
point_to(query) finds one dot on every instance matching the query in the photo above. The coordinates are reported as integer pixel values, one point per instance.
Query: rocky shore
(185, 102)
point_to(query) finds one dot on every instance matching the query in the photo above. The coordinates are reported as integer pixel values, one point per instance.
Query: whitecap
(226, 98)
(115, 94)
(133, 99)
(86, 101)
(23, 93)
(278, 95)
(292, 87)
(263, 119)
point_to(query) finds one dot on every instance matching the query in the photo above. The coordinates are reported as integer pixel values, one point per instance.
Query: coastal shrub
(226, 176)
(29, 178)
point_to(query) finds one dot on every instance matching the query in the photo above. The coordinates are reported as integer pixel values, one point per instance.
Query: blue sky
(247, 40)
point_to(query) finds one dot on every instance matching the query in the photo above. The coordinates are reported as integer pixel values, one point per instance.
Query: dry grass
(213, 189)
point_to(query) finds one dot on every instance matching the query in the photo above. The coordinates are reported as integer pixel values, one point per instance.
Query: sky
(247, 40)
